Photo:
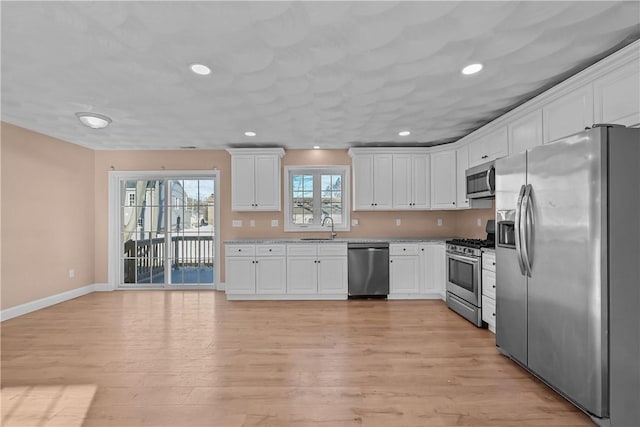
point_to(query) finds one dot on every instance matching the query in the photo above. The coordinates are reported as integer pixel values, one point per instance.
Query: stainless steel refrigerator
(568, 268)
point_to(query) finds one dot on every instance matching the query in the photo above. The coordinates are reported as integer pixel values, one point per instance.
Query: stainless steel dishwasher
(368, 269)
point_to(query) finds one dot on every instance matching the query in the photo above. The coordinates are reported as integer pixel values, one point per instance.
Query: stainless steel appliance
(464, 275)
(481, 181)
(568, 268)
(368, 266)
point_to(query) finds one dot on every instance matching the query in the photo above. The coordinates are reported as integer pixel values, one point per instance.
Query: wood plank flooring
(192, 358)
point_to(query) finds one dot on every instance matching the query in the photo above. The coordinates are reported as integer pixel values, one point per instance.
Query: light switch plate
(479, 222)
(274, 222)
(354, 222)
(236, 223)
(252, 223)
(439, 222)
(398, 222)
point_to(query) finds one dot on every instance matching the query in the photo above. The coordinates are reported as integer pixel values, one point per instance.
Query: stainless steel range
(464, 275)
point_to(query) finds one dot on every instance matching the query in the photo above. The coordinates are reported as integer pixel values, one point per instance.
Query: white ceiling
(334, 74)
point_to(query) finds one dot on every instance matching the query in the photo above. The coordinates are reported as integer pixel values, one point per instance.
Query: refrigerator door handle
(517, 230)
(526, 228)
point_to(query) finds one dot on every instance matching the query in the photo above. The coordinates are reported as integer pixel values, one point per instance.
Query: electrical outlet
(479, 222)
(236, 223)
(274, 222)
(252, 223)
(398, 222)
(439, 222)
(354, 222)
(72, 273)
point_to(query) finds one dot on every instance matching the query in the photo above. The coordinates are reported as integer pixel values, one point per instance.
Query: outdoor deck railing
(146, 258)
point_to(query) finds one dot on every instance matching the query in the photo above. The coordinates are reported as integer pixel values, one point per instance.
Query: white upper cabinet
(568, 114)
(525, 132)
(372, 182)
(462, 161)
(617, 96)
(443, 180)
(411, 177)
(255, 179)
(489, 147)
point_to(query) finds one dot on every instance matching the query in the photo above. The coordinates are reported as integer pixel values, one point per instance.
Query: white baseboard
(221, 286)
(19, 310)
(287, 297)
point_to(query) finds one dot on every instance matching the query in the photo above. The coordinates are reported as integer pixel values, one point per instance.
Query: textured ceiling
(334, 74)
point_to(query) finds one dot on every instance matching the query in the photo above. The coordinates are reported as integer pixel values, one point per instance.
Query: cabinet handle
(494, 286)
(422, 249)
(390, 260)
(269, 250)
(485, 156)
(404, 249)
(454, 203)
(493, 314)
(494, 263)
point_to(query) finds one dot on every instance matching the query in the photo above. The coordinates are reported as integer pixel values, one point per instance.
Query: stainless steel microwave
(481, 181)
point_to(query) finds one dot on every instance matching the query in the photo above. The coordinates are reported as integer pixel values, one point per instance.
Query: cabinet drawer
(331, 249)
(489, 311)
(241, 250)
(270, 250)
(489, 283)
(489, 261)
(302, 249)
(400, 249)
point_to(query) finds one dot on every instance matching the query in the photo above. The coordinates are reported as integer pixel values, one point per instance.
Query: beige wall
(47, 216)
(55, 209)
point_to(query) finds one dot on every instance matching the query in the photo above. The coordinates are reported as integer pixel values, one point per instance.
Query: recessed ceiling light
(316, 147)
(250, 133)
(93, 120)
(404, 133)
(472, 69)
(200, 69)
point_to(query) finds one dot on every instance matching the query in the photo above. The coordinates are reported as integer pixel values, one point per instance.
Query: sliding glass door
(167, 231)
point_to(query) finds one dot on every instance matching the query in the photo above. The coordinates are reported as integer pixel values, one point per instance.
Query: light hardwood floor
(190, 358)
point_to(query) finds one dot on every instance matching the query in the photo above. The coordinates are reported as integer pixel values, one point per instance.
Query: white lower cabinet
(433, 264)
(489, 289)
(317, 269)
(255, 269)
(417, 270)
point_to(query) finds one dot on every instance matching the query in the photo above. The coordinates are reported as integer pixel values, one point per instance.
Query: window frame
(342, 170)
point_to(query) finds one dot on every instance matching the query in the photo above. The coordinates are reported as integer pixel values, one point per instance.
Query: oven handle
(517, 230)
(463, 258)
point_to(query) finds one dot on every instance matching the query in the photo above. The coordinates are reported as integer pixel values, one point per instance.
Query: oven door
(463, 277)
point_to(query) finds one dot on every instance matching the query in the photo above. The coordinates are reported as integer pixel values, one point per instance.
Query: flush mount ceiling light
(404, 133)
(316, 147)
(93, 120)
(471, 69)
(200, 69)
(250, 133)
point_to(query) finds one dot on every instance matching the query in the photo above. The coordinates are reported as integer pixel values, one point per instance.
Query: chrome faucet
(333, 234)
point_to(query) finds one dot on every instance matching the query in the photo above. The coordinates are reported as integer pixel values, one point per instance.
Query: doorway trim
(115, 221)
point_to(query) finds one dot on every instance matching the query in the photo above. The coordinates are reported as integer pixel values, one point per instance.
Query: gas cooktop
(473, 243)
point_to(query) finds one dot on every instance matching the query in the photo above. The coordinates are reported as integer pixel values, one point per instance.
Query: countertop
(341, 240)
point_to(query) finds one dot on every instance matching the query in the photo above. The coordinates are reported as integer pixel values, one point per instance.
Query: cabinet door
(402, 181)
(434, 269)
(240, 275)
(270, 275)
(383, 181)
(443, 180)
(617, 96)
(421, 177)
(568, 114)
(404, 274)
(302, 275)
(526, 132)
(363, 182)
(462, 164)
(477, 152)
(242, 183)
(267, 183)
(497, 143)
(332, 275)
